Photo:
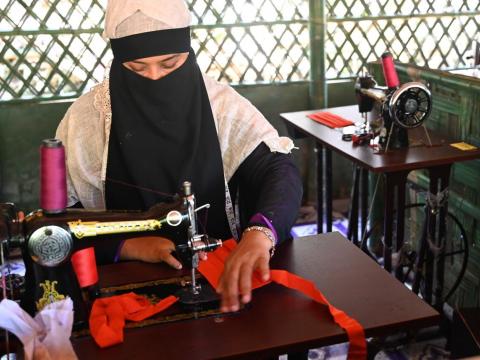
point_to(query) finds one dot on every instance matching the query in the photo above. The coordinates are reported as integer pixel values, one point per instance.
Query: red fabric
(85, 267)
(329, 119)
(212, 268)
(108, 315)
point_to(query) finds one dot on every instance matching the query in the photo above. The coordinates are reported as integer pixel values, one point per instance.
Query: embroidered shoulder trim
(102, 104)
(102, 100)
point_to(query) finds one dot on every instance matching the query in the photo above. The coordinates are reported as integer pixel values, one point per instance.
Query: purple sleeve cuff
(259, 218)
(119, 248)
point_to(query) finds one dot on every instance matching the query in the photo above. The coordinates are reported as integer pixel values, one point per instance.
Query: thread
(53, 178)
(389, 72)
(85, 267)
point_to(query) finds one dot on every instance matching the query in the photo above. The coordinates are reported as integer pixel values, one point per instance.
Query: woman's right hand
(152, 249)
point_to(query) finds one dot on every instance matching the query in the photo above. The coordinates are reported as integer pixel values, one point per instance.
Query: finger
(202, 255)
(229, 302)
(222, 281)
(170, 260)
(230, 290)
(263, 269)
(219, 288)
(245, 282)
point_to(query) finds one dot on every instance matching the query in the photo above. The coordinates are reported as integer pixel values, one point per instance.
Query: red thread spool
(85, 267)
(53, 178)
(389, 72)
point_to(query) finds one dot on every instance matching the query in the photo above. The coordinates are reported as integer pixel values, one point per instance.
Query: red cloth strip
(330, 120)
(212, 268)
(108, 315)
(355, 333)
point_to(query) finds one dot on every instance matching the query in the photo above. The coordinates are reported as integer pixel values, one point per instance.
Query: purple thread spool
(53, 178)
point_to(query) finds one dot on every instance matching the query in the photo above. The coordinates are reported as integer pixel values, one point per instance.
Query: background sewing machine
(47, 242)
(394, 108)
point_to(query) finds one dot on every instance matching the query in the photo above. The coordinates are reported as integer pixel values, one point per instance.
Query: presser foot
(203, 295)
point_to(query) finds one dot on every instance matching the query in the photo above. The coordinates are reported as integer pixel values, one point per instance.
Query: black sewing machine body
(398, 109)
(48, 241)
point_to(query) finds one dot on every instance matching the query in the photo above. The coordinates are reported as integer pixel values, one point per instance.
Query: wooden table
(279, 320)
(395, 166)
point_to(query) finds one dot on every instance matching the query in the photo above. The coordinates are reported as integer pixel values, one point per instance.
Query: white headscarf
(129, 17)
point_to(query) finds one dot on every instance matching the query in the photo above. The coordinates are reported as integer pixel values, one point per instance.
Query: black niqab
(162, 134)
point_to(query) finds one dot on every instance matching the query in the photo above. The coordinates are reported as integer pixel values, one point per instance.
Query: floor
(426, 350)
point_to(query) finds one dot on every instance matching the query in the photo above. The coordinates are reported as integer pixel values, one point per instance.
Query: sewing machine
(47, 242)
(395, 108)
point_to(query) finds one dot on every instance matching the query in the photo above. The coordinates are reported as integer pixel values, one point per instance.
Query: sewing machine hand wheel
(410, 105)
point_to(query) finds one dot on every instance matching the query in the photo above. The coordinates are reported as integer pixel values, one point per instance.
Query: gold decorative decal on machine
(94, 228)
(50, 295)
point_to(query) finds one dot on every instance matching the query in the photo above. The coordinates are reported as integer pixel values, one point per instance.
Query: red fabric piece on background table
(85, 267)
(108, 315)
(212, 268)
(330, 120)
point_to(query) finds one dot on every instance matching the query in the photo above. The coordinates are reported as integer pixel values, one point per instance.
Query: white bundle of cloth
(45, 337)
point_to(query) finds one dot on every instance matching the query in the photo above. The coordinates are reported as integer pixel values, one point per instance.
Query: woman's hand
(150, 249)
(251, 254)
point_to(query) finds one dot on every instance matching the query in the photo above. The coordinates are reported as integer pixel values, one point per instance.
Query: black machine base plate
(189, 306)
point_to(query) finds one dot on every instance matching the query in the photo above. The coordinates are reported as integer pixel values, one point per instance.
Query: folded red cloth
(330, 120)
(108, 315)
(213, 268)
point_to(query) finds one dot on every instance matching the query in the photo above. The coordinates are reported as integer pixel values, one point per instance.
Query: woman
(157, 121)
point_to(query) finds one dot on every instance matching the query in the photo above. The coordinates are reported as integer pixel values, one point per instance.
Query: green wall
(22, 128)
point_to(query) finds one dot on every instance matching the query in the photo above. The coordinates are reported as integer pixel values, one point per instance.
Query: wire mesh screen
(53, 49)
(433, 33)
(252, 41)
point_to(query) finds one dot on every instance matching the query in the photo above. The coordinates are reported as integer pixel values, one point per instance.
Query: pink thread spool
(53, 178)
(389, 72)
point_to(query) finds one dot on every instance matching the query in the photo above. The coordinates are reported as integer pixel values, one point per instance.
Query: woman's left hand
(251, 254)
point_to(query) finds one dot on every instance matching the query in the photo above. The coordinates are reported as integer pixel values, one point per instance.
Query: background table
(395, 166)
(279, 320)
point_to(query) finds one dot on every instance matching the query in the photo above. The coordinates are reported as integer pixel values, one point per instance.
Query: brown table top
(279, 320)
(414, 157)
